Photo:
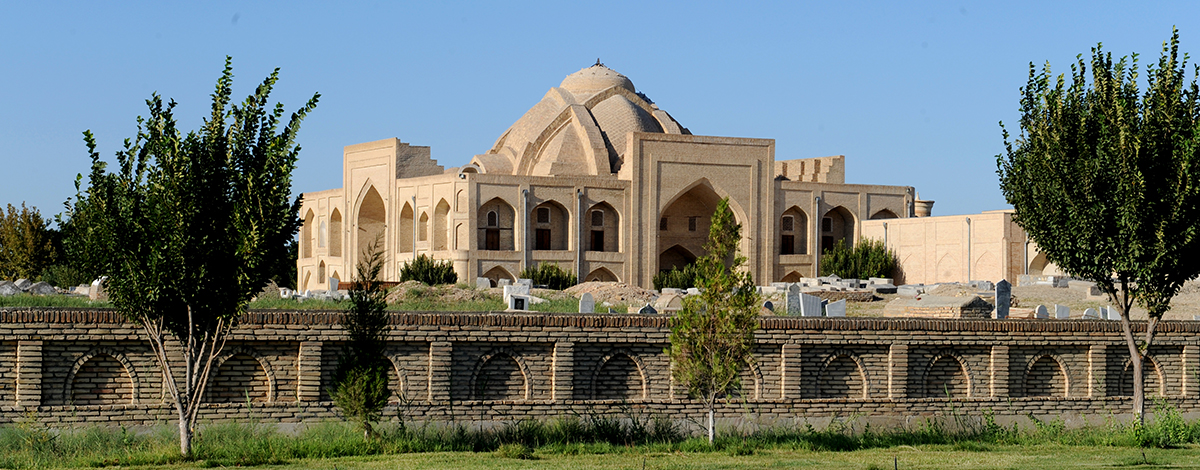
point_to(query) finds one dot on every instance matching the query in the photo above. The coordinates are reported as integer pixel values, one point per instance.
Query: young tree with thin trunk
(26, 243)
(187, 226)
(713, 335)
(360, 382)
(1106, 180)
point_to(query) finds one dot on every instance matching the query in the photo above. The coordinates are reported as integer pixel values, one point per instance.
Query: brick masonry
(65, 366)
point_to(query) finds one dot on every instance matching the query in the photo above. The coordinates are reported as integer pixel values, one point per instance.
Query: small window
(692, 224)
(543, 215)
(788, 245)
(493, 219)
(662, 224)
(826, 224)
(597, 218)
(786, 224)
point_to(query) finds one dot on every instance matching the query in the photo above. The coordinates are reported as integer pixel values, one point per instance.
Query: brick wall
(72, 366)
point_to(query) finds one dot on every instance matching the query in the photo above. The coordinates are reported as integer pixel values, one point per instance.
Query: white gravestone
(836, 309)
(586, 303)
(1062, 312)
(810, 305)
(483, 283)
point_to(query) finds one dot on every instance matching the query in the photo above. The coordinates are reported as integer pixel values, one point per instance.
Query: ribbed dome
(595, 78)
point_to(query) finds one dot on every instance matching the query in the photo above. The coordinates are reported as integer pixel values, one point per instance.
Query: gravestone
(518, 302)
(518, 289)
(23, 284)
(1062, 312)
(1041, 312)
(586, 303)
(693, 291)
(7, 288)
(810, 305)
(1003, 298)
(1090, 314)
(285, 293)
(880, 280)
(836, 309)
(779, 285)
(528, 283)
(792, 302)
(43, 288)
(504, 282)
(1113, 313)
(647, 310)
(672, 290)
(881, 288)
(769, 305)
(483, 283)
(99, 290)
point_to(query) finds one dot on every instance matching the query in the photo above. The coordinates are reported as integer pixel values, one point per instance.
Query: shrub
(429, 271)
(869, 258)
(514, 451)
(550, 275)
(676, 278)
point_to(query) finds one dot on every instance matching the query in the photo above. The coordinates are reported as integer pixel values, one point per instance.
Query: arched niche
(440, 230)
(601, 275)
(884, 214)
(603, 228)
(837, 224)
(406, 228)
(372, 220)
(793, 232)
(423, 227)
(335, 233)
(497, 273)
(548, 224)
(675, 257)
(306, 235)
(495, 221)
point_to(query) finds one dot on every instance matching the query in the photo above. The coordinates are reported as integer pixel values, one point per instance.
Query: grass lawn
(921, 457)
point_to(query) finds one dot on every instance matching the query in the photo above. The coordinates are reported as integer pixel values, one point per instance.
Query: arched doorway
(793, 232)
(371, 220)
(602, 226)
(495, 222)
(684, 225)
(549, 222)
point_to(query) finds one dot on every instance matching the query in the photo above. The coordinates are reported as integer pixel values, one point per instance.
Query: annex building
(596, 178)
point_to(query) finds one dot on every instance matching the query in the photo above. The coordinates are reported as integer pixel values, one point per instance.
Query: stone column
(999, 369)
(308, 375)
(898, 371)
(1191, 368)
(29, 374)
(563, 372)
(439, 371)
(1098, 370)
(790, 372)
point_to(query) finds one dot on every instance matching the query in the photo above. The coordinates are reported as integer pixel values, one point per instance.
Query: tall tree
(713, 335)
(26, 243)
(360, 382)
(187, 226)
(1106, 180)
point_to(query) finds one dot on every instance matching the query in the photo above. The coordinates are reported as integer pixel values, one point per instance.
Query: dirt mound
(411, 290)
(953, 290)
(613, 292)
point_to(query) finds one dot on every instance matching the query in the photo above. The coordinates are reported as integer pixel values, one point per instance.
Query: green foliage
(514, 450)
(676, 278)
(26, 243)
(428, 271)
(550, 275)
(1106, 179)
(869, 258)
(187, 225)
(360, 382)
(713, 335)
(65, 276)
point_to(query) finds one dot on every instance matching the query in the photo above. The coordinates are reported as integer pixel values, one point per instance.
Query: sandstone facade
(596, 178)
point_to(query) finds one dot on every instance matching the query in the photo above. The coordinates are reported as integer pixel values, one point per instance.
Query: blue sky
(910, 92)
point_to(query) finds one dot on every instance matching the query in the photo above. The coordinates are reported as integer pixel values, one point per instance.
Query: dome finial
(598, 64)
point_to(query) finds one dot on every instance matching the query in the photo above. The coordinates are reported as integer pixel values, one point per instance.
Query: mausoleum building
(596, 178)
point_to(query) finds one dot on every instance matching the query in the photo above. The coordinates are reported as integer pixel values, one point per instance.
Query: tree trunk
(710, 425)
(185, 437)
(1139, 388)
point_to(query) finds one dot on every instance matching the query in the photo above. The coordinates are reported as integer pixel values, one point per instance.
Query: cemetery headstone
(693, 291)
(1062, 312)
(504, 282)
(8, 288)
(792, 301)
(1041, 312)
(483, 283)
(528, 283)
(1090, 314)
(586, 303)
(1003, 298)
(23, 284)
(836, 309)
(769, 305)
(647, 310)
(42, 288)
(810, 305)
(518, 302)
(1113, 314)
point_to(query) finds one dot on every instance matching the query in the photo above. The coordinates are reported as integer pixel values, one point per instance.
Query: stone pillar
(439, 371)
(308, 374)
(29, 374)
(790, 372)
(563, 373)
(898, 371)
(1098, 370)
(1191, 370)
(999, 369)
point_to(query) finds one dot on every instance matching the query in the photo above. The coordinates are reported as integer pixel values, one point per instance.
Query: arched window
(335, 233)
